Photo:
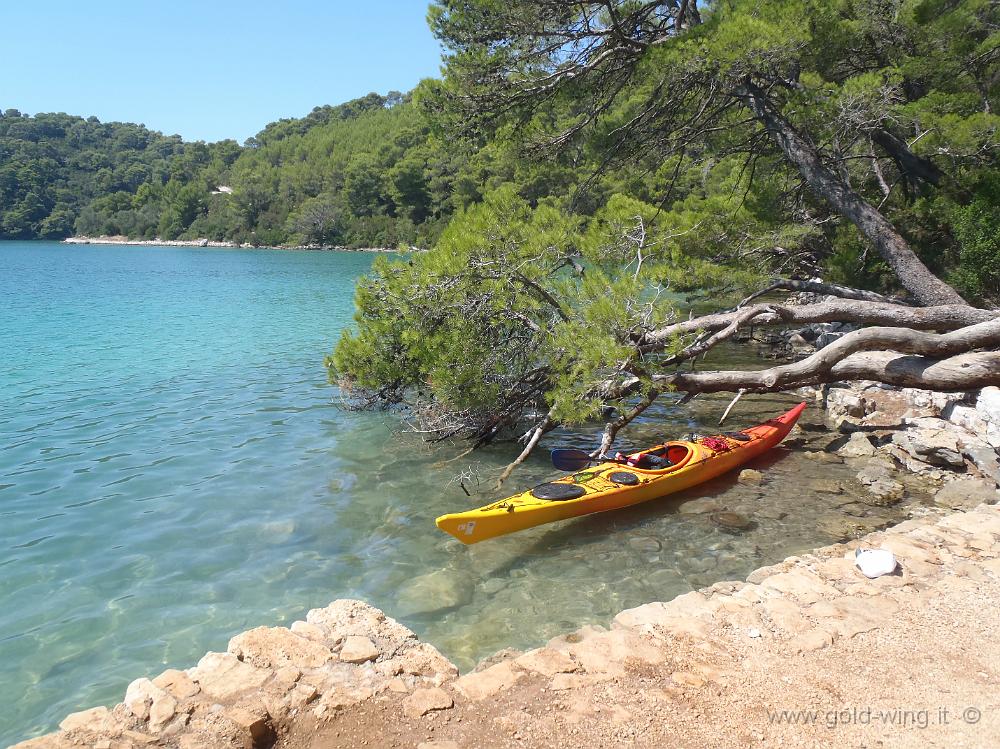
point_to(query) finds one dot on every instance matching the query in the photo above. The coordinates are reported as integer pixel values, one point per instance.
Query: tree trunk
(916, 168)
(915, 277)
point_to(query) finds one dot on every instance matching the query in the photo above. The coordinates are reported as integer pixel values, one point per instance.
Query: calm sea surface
(174, 468)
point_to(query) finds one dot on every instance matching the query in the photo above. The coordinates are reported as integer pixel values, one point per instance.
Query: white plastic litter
(875, 562)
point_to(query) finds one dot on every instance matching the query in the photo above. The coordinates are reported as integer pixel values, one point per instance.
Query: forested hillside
(366, 172)
(379, 171)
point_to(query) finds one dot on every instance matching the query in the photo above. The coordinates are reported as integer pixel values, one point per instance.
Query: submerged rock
(441, 589)
(731, 521)
(750, 476)
(879, 479)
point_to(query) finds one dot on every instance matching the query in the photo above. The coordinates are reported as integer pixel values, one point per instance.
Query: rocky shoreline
(350, 676)
(121, 240)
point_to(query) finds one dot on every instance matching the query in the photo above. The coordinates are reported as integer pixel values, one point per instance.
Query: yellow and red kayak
(613, 485)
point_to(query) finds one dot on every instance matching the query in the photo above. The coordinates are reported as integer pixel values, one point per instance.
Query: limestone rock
(95, 719)
(346, 617)
(483, 684)
(358, 649)
(786, 616)
(546, 661)
(223, 676)
(147, 701)
(801, 585)
(277, 647)
(309, 631)
(963, 494)
(254, 722)
(177, 683)
(988, 408)
(607, 653)
(935, 446)
(885, 492)
(422, 701)
(423, 659)
(750, 476)
(858, 446)
(984, 458)
(844, 527)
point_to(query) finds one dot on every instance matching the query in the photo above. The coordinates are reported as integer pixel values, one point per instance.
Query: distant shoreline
(120, 240)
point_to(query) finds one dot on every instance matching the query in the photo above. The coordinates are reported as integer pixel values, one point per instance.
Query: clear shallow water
(174, 469)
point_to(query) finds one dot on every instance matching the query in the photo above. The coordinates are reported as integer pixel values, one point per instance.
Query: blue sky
(212, 69)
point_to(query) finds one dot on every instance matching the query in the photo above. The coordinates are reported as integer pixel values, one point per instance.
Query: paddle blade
(570, 460)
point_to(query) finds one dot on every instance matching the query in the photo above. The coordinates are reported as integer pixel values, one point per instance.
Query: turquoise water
(174, 468)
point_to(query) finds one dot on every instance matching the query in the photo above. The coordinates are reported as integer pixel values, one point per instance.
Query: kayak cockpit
(677, 455)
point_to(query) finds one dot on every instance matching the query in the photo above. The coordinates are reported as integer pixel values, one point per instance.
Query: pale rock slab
(483, 684)
(546, 661)
(95, 719)
(857, 446)
(309, 631)
(256, 723)
(277, 647)
(423, 701)
(816, 639)
(801, 585)
(177, 683)
(931, 444)
(147, 701)
(786, 616)
(358, 649)
(346, 617)
(608, 652)
(965, 494)
(223, 676)
(423, 659)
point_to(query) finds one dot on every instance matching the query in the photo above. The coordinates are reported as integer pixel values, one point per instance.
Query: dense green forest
(366, 172)
(379, 171)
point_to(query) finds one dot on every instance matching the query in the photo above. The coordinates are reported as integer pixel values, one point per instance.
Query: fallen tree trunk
(942, 317)
(961, 372)
(917, 359)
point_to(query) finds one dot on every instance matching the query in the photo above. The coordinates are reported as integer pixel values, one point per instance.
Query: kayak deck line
(596, 489)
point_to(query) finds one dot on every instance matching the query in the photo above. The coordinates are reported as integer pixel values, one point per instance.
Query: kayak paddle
(567, 459)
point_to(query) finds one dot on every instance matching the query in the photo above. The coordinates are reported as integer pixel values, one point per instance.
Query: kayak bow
(612, 486)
